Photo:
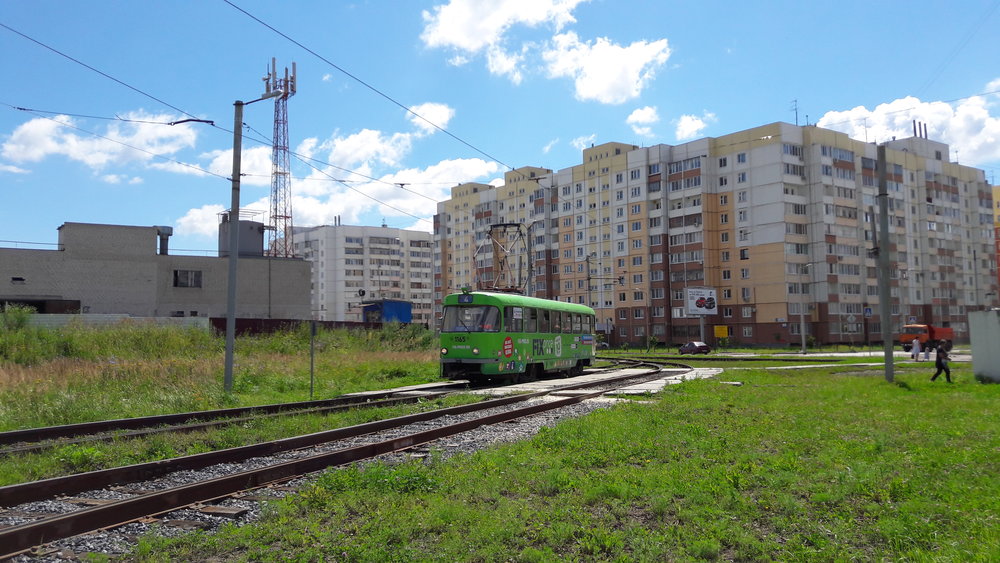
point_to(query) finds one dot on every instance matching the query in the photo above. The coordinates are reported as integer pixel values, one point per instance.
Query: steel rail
(34, 447)
(77, 429)
(17, 539)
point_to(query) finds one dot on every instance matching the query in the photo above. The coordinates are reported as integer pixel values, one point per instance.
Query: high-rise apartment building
(779, 221)
(353, 264)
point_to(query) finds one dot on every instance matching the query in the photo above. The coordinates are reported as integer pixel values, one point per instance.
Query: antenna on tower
(279, 236)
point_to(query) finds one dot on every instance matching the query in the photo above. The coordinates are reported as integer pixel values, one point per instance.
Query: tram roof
(489, 297)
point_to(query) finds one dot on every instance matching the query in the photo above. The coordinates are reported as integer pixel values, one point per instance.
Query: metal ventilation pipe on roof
(164, 233)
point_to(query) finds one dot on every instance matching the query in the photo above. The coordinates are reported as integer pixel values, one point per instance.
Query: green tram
(506, 336)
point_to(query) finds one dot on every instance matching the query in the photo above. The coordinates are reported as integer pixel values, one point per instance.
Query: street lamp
(234, 235)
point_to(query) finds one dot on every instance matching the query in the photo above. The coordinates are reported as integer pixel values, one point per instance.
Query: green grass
(795, 465)
(80, 374)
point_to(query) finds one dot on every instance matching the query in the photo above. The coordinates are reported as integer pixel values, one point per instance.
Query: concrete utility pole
(885, 307)
(234, 237)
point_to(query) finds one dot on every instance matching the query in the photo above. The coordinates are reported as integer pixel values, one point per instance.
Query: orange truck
(927, 335)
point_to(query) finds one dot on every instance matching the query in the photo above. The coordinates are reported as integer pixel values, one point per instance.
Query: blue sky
(514, 83)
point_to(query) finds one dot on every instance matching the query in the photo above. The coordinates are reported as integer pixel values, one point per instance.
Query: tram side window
(588, 324)
(543, 321)
(532, 320)
(567, 323)
(513, 319)
(577, 323)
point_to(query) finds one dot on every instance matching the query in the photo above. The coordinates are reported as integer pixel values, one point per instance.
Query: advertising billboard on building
(700, 301)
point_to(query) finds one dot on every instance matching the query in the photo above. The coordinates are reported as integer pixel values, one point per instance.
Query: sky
(398, 102)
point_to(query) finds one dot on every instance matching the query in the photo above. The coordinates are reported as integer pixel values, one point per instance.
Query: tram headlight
(475, 351)
(444, 351)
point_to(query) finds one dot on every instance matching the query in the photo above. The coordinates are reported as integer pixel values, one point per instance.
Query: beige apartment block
(779, 221)
(353, 264)
(116, 269)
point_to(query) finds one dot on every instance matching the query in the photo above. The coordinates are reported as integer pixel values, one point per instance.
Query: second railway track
(296, 456)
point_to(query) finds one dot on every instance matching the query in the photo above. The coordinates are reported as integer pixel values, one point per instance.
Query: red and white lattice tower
(279, 237)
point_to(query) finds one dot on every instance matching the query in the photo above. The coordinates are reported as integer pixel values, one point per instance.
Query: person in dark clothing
(941, 363)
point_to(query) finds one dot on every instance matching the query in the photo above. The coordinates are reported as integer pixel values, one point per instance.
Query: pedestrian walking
(941, 362)
(915, 349)
(927, 353)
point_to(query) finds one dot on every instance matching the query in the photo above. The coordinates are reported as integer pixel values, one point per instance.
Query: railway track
(37, 439)
(301, 455)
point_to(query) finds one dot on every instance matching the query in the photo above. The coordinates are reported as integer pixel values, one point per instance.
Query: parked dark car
(694, 348)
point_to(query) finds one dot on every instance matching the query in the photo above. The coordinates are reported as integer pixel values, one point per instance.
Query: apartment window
(741, 177)
(745, 273)
(187, 278)
(741, 158)
(744, 254)
(741, 196)
(725, 237)
(727, 275)
(747, 312)
(748, 331)
(722, 162)
(724, 199)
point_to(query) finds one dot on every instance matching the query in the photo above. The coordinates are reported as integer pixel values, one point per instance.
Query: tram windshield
(471, 318)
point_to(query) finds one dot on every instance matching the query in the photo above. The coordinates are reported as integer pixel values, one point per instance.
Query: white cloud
(970, 127)
(422, 189)
(471, 25)
(12, 169)
(203, 221)
(255, 165)
(319, 197)
(548, 147)
(327, 77)
(690, 126)
(120, 143)
(603, 71)
(121, 178)
(641, 119)
(438, 114)
(581, 143)
(502, 63)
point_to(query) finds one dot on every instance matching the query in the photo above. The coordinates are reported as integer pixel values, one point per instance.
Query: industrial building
(116, 269)
(354, 265)
(776, 224)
